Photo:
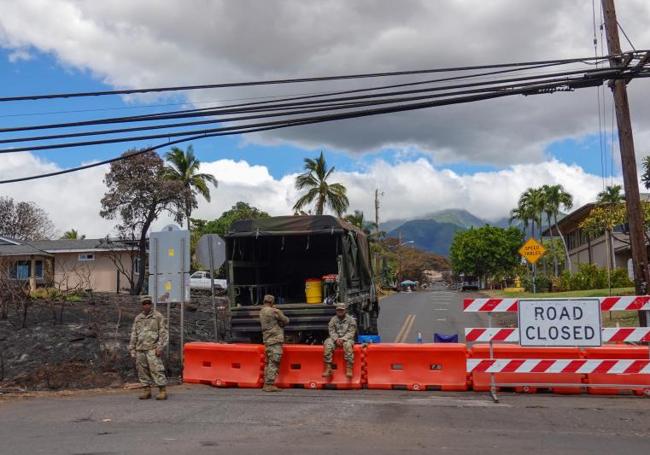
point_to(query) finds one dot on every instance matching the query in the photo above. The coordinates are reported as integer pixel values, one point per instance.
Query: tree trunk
(142, 252)
(566, 249)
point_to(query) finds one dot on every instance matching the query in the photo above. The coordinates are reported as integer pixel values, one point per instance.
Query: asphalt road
(440, 310)
(204, 420)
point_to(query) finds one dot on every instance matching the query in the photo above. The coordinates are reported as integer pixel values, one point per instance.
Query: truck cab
(308, 263)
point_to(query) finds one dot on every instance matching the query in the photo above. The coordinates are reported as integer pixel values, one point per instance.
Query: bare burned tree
(24, 220)
(138, 193)
(123, 253)
(13, 294)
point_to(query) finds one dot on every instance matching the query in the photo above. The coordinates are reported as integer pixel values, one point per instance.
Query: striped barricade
(510, 305)
(511, 335)
(521, 378)
(628, 374)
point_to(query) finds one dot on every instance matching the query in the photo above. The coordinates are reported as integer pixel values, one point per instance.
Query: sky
(479, 157)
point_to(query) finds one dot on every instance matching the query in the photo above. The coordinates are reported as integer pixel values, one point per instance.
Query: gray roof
(49, 247)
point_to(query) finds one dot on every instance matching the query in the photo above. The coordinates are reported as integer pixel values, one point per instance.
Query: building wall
(580, 255)
(99, 274)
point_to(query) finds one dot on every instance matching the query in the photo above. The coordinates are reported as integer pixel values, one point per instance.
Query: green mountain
(435, 232)
(428, 235)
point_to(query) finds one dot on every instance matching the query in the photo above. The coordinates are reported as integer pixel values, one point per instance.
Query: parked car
(201, 280)
(470, 283)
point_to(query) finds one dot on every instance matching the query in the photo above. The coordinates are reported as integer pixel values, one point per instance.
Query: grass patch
(568, 294)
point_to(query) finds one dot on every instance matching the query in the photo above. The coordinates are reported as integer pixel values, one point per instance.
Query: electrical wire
(521, 88)
(288, 81)
(251, 107)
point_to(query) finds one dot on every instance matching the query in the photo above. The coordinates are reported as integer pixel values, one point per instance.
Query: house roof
(50, 247)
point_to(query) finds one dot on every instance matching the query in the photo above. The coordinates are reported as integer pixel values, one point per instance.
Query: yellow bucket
(314, 290)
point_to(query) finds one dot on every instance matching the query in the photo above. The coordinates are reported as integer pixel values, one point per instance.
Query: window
(23, 270)
(84, 257)
(136, 265)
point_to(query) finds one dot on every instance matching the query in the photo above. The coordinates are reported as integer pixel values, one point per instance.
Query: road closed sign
(560, 323)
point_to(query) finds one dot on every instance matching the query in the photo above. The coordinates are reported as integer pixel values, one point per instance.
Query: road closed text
(559, 323)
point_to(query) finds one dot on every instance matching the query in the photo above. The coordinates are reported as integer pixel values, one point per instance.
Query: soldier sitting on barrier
(342, 329)
(272, 321)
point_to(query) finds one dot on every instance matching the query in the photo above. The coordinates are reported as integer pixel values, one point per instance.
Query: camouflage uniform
(341, 329)
(148, 334)
(272, 321)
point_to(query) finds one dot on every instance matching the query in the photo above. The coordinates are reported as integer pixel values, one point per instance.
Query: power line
(526, 88)
(288, 81)
(266, 105)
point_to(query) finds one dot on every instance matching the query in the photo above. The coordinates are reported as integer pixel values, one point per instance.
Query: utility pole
(377, 194)
(628, 160)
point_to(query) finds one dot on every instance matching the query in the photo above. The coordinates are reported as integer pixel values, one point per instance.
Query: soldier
(149, 337)
(272, 320)
(343, 329)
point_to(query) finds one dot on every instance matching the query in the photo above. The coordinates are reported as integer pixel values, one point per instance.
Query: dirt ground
(82, 345)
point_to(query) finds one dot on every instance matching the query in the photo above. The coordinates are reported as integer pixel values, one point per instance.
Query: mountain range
(434, 232)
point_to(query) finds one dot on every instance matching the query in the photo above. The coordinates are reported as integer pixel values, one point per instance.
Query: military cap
(145, 299)
(341, 306)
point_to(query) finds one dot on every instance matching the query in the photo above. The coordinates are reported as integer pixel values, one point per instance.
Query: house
(584, 249)
(98, 264)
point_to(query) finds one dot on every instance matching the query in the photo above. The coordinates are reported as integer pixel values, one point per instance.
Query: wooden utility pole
(628, 160)
(377, 211)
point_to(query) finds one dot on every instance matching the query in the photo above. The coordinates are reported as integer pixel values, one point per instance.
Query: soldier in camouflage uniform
(342, 329)
(272, 320)
(149, 338)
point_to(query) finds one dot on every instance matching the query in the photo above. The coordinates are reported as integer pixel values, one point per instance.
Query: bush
(588, 276)
(542, 283)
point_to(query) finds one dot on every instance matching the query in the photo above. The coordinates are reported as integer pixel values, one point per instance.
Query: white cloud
(153, 43)
(411, 189)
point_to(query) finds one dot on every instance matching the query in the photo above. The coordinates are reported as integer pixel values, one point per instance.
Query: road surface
(405, 314)
(204, 420)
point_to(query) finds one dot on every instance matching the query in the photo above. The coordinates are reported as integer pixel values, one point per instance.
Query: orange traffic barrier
(639, 384)
(302, 366)
(526, 382)
(416, 366)
(224, 365)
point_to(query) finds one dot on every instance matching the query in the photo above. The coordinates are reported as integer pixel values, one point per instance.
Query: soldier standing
(272, 320)
(149, 338)
(342, 329)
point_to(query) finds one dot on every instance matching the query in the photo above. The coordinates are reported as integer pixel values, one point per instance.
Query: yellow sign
(170, 252)
(168, 286)
(532, 250)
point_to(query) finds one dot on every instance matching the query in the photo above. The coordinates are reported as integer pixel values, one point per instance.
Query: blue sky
(42, 73)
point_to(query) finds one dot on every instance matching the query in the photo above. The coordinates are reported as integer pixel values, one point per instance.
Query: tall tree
(72, 234)
(645, 177)
(610, 202)
(611, 195)
(318, 189)
(138, 192)
(357, 219)
(183, 166)
(486, 251)
(557, 199)
(24, 220)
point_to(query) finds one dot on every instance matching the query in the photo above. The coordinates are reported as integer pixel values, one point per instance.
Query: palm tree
(72, 234)
(610, 197)
(531, 203)
(184, 166)
(557, 198)
(314, 180)
(357, 219)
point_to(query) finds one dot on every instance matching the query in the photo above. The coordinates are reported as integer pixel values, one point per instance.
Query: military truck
(279, 255)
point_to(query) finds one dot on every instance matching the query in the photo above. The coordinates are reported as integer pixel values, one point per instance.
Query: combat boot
(162, 393)
(348, 371)
(270, 388)
(328, 370)
(146, 393)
